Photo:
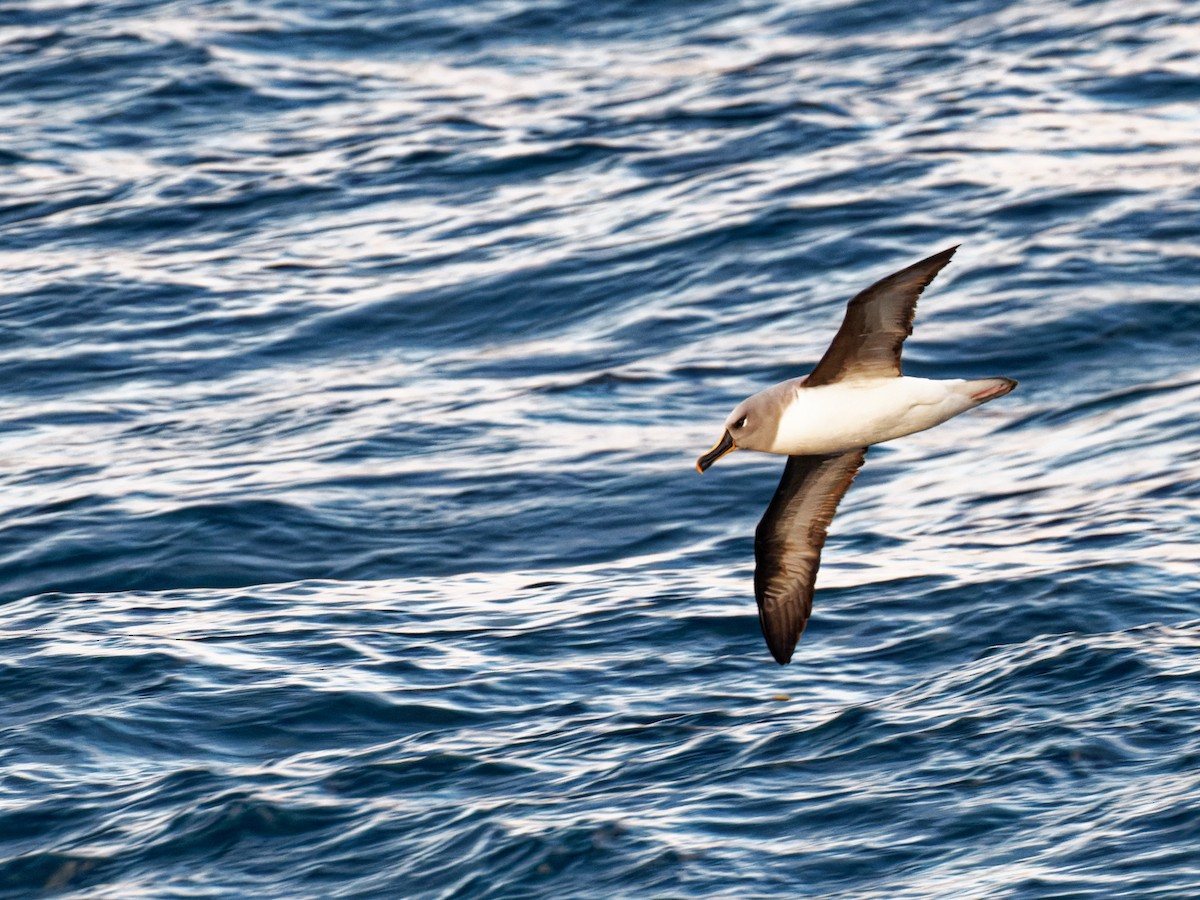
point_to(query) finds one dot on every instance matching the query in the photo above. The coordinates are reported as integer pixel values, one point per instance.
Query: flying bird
(824, 422)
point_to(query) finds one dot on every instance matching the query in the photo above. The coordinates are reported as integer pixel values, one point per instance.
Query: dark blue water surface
(354, 358)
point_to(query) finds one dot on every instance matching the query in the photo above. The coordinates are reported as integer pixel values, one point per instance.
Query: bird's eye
(740, 423)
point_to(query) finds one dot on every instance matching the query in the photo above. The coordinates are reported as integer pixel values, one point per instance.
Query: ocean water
(354, 359)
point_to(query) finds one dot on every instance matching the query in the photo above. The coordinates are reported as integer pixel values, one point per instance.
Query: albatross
(824, 422)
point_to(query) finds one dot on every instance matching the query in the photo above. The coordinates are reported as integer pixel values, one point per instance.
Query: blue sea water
(354, 358)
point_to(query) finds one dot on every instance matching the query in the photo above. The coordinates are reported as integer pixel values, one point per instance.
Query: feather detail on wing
(788, 542)
(877, 321)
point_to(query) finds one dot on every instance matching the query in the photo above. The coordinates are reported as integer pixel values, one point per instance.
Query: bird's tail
(986, 389)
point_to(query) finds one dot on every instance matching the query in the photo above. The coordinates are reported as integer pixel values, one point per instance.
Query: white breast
(837, 417)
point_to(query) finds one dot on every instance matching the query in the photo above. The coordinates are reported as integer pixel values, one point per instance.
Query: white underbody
(837, 417)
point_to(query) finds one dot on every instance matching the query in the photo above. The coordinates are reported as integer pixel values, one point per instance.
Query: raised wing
(876, 324)
(788, 542)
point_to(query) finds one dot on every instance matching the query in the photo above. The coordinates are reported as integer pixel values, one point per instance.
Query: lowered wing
(788, 542)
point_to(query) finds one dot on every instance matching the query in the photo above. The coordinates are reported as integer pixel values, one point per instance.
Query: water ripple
(355, 360)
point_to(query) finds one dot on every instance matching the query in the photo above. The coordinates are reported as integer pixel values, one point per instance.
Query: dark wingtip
(922, 272)
(781, 641)
(782, 656)
(940, 259)
(927, 269)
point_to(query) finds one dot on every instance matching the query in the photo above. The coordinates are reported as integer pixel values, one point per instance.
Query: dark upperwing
(877, 322)
(788, 542)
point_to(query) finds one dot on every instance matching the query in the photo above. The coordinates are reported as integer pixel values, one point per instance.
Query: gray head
(751, 426)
